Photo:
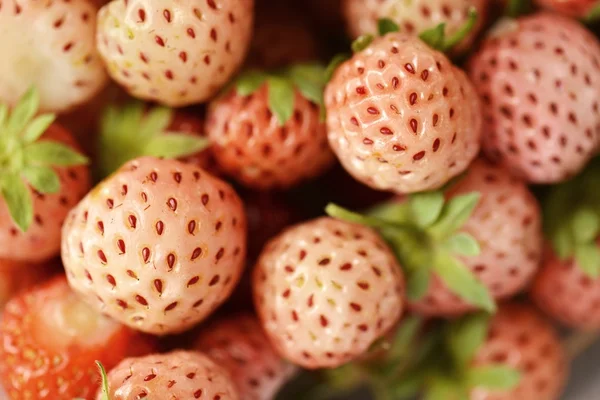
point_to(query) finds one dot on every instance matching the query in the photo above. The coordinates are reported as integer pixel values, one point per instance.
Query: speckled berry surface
(175, 53)
(158, 245)
(538, 78)
(507, 225)
(176, 375)
(401, 117)
(42, 240)
(50, 45)
(415, 16)
(521, 338)
(325, 290)
(251, 145)
(239, 345)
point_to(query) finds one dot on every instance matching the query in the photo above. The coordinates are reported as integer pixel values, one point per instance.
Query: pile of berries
(261, 199)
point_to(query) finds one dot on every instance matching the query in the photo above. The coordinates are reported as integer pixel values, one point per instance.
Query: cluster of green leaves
(27, 159)
(309, 79)
(572, 219)
(425, 233)
(133, 131)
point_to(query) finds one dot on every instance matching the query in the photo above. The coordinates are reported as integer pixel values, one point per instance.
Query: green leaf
(18, 199)
(105, 390)
(37, 127)
(310, 81)
(434, 37)
(153, 123)
(426, 207)
(462, 282)
(493, 377)
(362, 43)
(338, 60)
(588, 258)
(465, 336)
(386, 25)
(393, 211)
(463, 244)
(463, 32)
(442, 388)
(43, 179)
(335, 211)
(585, 225)
(281, 98)
(249, 82)
(455, 213)
(174, 145)
(23, 111)
(593, 15)
(418, 283)
(53, 153)
(563, 242)
(405, 337)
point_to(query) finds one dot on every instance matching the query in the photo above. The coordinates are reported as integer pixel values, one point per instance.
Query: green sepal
(22, 113)
(417, 283)
(49, 153)
(104, 389)
(516, 8)
(310, 81)
(462, 244)
(362, 42)
(493, 377)
(335, 211)
(395, 212)
(333, 65)
(455, 213)
(281, 98)
(386, 25)
(437, 39)
(404, 338)
(155, 122)
(250, 81)
(462, 282)
(585, 225)
(36, 128)
(43, 179)
(426, 207)
(465, 336)
(444, 388)
(593, 15)
(3, 114)
(17, 198)
(175, 145)
(587, 256)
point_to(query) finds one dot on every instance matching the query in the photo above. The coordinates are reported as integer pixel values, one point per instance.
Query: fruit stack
(251, 200)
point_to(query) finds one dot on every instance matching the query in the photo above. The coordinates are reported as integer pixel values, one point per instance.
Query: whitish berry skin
(42, 240)
(565, 293)
(538, 78)
(520, 338)
(573, 8)
(175, 53)
(50, 45)
(401, 117)
(176, 375)
(507, 225)
(251, 145)
(239, 345)
(158, 245)
(325, 290)
(414, 17)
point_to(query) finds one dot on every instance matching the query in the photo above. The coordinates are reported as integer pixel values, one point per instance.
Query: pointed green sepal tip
(362, 43)
(465, 336)
(250, 81)
(593, 15)
(104, 389)
(437, 38)
(495, 377)
(386, 25)
(335, 62)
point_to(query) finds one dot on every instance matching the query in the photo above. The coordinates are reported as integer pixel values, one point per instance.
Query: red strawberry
(574, 8)
(135, 130)
(414, 17)
(538, 77)
(174, 53)
(175, 375)
(564, 291)
(158, 245)
(519, 338)
(16, 277)
(326, 290)
(50, 45)
(401, 117)
(41, 178)
(49, 340)
(269, 134)
(239, 345)
(507, 226)
(282, 37)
